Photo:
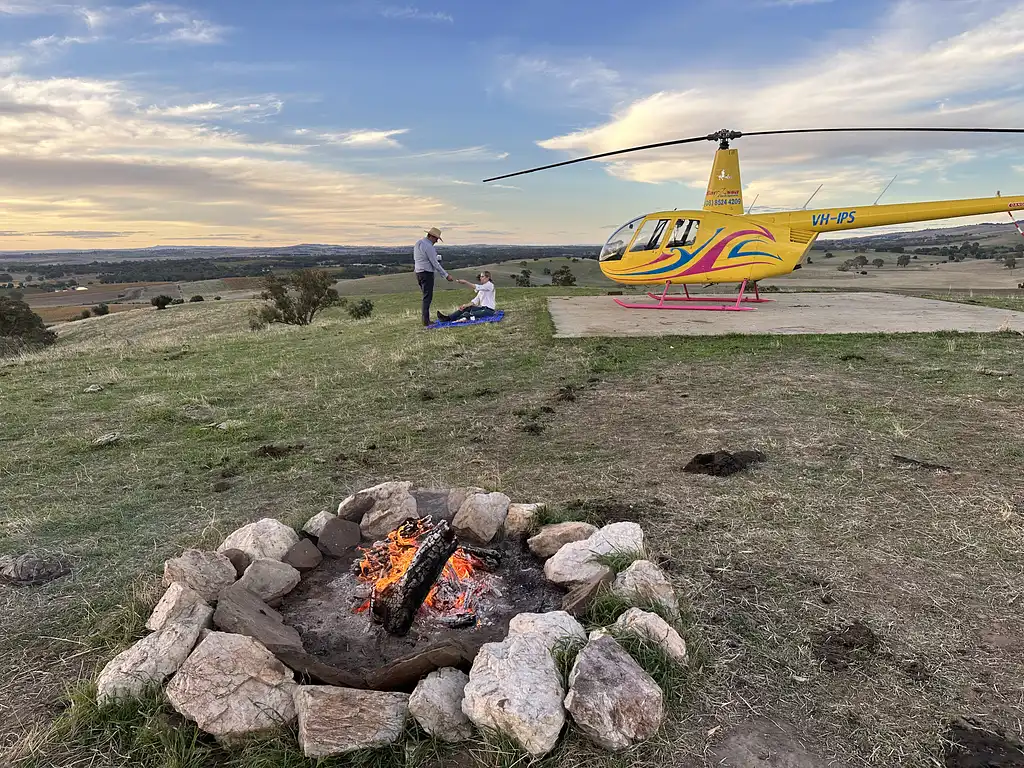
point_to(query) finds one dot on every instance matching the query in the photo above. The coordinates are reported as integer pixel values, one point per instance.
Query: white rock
(645, 583)
(550, 629)
(456, 497)
(208, 573)
(521, 518)
(148, 663)
(573, 564)
(437, 705)
(393, 504)
(180, 603)
(93, 388)
(270, 579)
(654, 629)
(232, 686)
(264, 538)
(334, 721)
(611, 698)
(515, 688)
(552, 538)
(315, 525)
(481, 516)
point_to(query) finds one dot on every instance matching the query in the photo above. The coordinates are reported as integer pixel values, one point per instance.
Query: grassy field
(773, 563)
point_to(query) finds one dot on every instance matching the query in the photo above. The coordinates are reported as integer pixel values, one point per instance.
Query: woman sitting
(480, 307)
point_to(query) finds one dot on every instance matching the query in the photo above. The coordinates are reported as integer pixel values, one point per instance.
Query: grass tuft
(619, 561)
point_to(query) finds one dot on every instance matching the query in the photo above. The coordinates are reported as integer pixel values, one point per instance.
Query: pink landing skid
(725, 305)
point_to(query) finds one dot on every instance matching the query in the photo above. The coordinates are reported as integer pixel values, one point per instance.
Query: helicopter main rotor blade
(603, 154)
(726, 135)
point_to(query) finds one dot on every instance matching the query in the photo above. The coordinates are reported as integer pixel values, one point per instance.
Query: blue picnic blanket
(492, 319)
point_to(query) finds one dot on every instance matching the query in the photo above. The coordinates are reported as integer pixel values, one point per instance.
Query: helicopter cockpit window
(684, 233)
(650, 236)
(616, 246)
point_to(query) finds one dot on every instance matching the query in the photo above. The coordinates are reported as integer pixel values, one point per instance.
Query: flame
(384, 564)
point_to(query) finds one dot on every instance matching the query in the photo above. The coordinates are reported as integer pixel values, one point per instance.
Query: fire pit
(444, 595)
(396, 609)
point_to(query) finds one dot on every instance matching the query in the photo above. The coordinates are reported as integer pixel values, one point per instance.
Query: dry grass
(827, 531)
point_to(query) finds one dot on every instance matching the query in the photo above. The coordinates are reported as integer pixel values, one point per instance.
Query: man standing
(426, 263)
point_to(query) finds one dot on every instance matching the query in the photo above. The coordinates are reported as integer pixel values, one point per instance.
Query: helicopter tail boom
(859, 217)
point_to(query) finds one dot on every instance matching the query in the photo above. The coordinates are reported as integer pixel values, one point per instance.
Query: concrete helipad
(787, 313)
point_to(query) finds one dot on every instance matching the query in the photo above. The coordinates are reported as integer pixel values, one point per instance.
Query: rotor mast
(725, 189)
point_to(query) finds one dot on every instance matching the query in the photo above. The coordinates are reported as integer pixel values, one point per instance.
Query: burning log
(395, 603)
(489, 558)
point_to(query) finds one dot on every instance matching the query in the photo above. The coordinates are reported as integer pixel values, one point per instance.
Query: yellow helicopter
(724, 244)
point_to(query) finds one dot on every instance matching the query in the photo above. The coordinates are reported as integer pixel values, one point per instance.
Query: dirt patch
(849, 645)
(277, 451)
(722, 463)
(764, 744)
(971, 745)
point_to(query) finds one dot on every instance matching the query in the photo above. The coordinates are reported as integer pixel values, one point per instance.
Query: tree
(523, 279)
(829, 255)
(563, 276)
(878, 263)
(547, 270)
(860, 261)
(101, 309)
(6, 277)
(1010, 262)
(903, 260)
(1019, 248)
(85, 315)
(161, 301)
(296, 299)
(20, 327)
(196, 298)
(897, 249)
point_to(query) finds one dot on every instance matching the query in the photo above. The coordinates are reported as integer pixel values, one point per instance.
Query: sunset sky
(361, 122)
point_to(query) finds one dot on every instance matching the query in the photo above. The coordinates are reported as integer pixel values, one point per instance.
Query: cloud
(584, 82)
(918, 67)
(411, 13)
(212, 109)
(364, 138)
(182, 26)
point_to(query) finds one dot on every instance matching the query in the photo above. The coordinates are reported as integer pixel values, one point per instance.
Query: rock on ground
(316, 523)
(354, 507)
(232, 687)
(239, 559)
(644, 582)
(612, 700)
(146, 664)
(521, 518)
(657, 631)
(304, 556)
(180, 603)
(264, 538)
(480, 517)
(393, 504)
(457, 496)
(574, 563)
(437, 705)
(270, 580)
(334, 721)
(579, 599)
(242, 612)
(338, 537)
(515, 687)
(31, 570)
(208, 573)
(552, 538)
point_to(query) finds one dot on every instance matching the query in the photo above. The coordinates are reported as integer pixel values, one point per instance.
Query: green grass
(620, 560)
(828, 529)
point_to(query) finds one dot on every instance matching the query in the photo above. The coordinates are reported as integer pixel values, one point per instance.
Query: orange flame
(385, 563)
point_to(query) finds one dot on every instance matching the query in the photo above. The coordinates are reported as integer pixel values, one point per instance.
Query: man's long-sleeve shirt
(425, 258)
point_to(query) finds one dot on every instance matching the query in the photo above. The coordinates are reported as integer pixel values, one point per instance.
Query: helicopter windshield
(616, 246)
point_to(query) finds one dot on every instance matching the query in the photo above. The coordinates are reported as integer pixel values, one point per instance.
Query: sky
(258, 122)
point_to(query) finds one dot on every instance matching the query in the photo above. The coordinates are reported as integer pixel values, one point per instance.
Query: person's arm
(432, 258)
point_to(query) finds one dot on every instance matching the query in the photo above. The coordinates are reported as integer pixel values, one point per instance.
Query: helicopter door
(684, 233)
(650, 236)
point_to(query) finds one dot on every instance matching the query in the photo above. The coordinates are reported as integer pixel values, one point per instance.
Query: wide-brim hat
(435, 232)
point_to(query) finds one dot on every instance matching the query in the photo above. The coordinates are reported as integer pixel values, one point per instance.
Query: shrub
(296, 299)
(101, 309)
(829, 255)
(177, 301)
(523, 279)
(547, 271)
(196, 298)
(1010, 262)
(161, 302)
(216, 298)
(361, 309)
(563, 276)
(20, 327)
(878, 263)
(85, 314)
(903, 260)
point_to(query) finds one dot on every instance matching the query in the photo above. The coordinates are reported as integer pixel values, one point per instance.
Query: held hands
(450, 279)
